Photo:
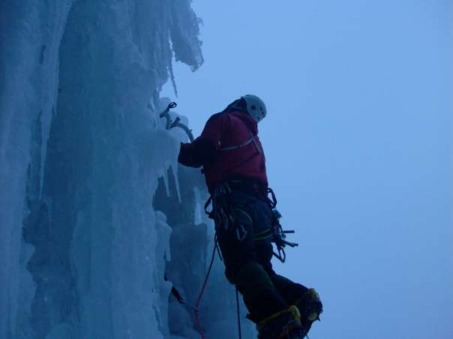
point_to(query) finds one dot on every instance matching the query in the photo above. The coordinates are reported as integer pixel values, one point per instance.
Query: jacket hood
(247, 119)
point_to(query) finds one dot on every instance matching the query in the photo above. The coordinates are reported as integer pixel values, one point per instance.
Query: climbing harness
(175, 123)
(222, 214)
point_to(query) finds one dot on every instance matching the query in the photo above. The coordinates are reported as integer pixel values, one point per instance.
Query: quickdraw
(278, 234)
(279, 237)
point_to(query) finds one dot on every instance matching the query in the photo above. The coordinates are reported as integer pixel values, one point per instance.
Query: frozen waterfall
(98, 222)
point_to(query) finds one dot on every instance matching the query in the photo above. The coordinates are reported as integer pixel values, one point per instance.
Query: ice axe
(175, 123)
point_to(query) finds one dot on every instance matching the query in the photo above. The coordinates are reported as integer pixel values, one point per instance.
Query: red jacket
(227, 148)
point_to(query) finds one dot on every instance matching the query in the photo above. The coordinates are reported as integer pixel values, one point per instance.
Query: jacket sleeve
(203, 149)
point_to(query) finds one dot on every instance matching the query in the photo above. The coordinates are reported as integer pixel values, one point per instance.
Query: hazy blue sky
(359, 145)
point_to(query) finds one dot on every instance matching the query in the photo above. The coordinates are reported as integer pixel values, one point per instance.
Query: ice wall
(82, 249)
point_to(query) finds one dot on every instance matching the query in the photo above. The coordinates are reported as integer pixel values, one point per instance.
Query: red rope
(197, 305)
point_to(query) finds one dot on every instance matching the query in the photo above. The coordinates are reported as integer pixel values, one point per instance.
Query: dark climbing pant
(246, 246)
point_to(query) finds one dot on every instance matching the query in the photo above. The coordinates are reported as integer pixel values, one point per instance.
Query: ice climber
(233, 162)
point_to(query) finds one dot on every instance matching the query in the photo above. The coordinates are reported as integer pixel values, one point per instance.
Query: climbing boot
(310, 307)
(281, 325)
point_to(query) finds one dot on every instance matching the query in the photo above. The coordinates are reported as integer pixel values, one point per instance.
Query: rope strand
(238, 314)
(197, 305)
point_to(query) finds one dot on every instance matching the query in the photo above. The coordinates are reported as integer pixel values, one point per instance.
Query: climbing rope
(203, 288)
(197, 305)
(238, 314)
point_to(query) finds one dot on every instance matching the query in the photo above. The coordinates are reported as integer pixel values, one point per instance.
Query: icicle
(174, 169)
(172, 77)
(198, 205)
(163, 234)
(165, 178)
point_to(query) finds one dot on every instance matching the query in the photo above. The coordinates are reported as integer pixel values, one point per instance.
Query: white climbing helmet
(255, 107)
